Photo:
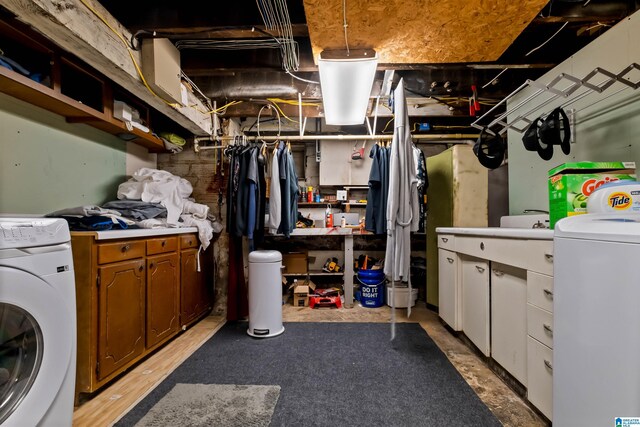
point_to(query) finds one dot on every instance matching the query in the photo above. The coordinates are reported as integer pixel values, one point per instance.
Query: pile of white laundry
(172, 192)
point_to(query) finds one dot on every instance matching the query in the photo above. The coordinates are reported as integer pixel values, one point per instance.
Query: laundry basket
(265, 294)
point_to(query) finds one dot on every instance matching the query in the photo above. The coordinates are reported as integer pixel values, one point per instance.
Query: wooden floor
(113, 402)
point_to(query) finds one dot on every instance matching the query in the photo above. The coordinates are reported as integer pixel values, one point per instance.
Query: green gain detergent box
(571, 184)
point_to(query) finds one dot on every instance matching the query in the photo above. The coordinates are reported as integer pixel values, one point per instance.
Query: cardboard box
(571, 184)
(295, 263)
(301, 296)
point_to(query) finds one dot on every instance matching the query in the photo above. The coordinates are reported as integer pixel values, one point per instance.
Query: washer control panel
(29, 232)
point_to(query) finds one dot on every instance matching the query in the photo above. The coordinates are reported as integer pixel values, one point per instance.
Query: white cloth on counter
(205, 230)
(196, 209)
(157, 186)
(153, 223)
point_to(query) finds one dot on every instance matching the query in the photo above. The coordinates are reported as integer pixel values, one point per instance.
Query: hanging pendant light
(346, 80)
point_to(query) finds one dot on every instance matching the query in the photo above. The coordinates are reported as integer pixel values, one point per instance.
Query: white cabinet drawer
(533, 255)
(540, 290)
(540, 376)
(446, 241)
(540, 325)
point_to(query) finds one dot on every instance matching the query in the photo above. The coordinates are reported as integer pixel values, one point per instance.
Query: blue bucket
(371, 288)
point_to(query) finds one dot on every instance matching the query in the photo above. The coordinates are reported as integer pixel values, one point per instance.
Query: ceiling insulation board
(423, 31)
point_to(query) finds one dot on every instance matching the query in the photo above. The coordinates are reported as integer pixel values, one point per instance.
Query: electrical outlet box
(161, 68)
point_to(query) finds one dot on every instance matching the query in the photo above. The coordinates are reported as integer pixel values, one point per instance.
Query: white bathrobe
(402, 207)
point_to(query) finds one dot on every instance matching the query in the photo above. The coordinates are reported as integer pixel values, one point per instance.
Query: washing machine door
(35, 346)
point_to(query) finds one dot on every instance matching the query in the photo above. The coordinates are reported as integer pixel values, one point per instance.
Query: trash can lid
(265, 256)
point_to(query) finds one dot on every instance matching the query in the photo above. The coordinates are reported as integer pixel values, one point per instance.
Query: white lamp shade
(346, 86)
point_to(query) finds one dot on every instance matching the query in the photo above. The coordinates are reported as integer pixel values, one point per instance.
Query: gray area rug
(205, 405)
(335, 374)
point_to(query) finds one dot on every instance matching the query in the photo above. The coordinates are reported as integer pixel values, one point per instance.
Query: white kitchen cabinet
(449, 289)
(507, 313)
(509, 319)
(474, 276)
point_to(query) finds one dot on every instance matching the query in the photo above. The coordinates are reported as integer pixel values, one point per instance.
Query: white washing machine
(37, 323)
(596, 333)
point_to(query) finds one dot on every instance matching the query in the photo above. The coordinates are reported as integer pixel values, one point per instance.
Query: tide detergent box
(571, 184)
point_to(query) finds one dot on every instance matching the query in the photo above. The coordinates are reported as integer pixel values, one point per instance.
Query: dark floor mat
(336, 374)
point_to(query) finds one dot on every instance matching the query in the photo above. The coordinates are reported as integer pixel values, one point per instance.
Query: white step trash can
(265, 294)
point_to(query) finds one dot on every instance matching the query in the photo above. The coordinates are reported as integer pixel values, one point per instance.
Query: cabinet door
(121, 315)
(195, 296)
(509, 319)
(475, 301)
(449, 291)
(163, 295)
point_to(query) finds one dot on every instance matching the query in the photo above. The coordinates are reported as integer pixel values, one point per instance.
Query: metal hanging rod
(556, 93)
(455, 138)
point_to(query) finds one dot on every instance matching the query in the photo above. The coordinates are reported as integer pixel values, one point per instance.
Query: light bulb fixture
(346, 80)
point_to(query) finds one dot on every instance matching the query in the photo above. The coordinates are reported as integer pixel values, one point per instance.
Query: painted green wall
(47, 164)
(607, 125)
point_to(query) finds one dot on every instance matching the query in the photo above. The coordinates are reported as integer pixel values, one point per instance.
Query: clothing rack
(453, 138)
(501, 122)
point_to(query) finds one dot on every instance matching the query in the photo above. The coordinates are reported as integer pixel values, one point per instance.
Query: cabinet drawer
(120, 251)
(540, 290)
(540, 376)
(540, 325)
(534, 255)
(162, 245)
(446, 241)
(189, 241)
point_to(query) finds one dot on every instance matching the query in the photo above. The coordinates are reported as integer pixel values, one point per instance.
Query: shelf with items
(314, 273)
(62, 84)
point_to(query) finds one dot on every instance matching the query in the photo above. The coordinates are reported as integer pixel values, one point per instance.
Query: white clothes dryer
(37, 323)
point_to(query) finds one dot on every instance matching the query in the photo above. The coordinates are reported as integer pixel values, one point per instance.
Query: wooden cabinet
(474, 274)
(449, 295)
(131, 296)
(196, 294)
(163, 297)
(121, 304)
(509, 319)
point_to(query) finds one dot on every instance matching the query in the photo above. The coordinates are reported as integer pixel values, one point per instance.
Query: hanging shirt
(285, 191)
(294, 191)
(252, 196)
(375, 215)
(258, 235)
(275, 197)
(423, 184)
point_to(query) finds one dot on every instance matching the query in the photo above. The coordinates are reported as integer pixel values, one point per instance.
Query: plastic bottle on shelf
(310, 194)
(329, 217)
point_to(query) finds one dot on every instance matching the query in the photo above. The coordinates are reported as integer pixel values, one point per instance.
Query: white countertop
(502, 232)
(139, 232)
